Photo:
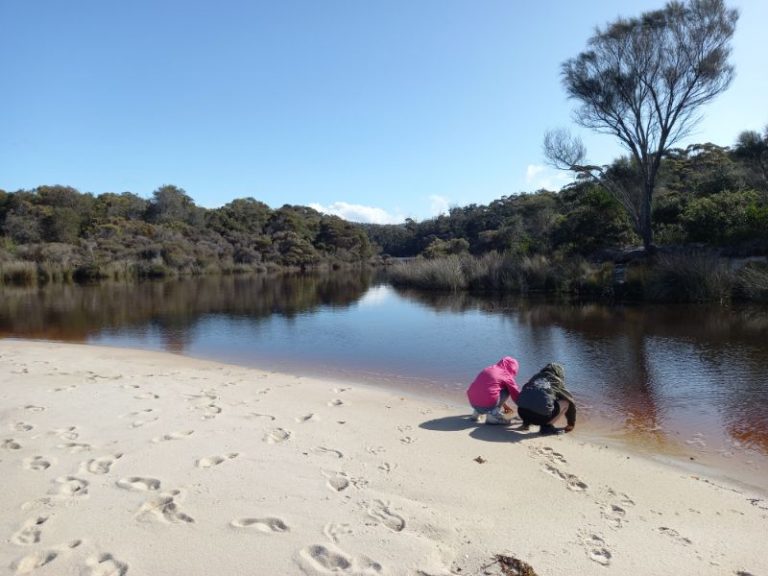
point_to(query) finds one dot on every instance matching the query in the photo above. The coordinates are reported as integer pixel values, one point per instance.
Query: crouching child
(544, 399)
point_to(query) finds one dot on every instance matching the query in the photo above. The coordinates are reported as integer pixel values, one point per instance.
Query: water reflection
(172, 308)
(655, 369)
(654, 373)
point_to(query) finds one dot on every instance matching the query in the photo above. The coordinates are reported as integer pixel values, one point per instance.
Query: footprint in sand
(336, 481)
(258, 415)
(337, 402)
(140, 423)
(266, 525)
(30, 532)
(549, 454)
(10, 444)
(382, 512)
(319, 558)
(211, 411)
(335, 531)
(37, 463)
(173, 436)
(22, 427)
(675, 535)
(68, 433)
(407, 440)
(212, 461)
(70, 487)
(74, 447)
(138, 484)
(615, 512)
(596, 549)
(33, 408)
(277, 436)
(65, 388)
(32, 562)
(100, 465)
(573, 481)
(165, 508)
(322, 451)
(147, 396)
(311, 417)
(105, 565)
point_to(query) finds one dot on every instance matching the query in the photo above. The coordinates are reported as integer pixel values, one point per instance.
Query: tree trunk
(645, 218)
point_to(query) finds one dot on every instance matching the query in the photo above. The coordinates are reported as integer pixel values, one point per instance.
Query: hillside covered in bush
(708, 195)
(57, 232)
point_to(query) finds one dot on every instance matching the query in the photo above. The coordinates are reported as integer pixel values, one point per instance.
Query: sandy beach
(131, 462)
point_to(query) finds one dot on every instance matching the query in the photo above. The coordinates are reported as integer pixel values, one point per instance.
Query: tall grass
(752, 282)
(502, 273)
(692, 276)
(438, 274)
(18, 273)
(695, 276)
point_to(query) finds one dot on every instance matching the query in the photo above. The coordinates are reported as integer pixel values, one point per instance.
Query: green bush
(724, 218)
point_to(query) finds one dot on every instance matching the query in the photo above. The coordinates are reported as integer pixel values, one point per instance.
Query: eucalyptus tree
(643, 80)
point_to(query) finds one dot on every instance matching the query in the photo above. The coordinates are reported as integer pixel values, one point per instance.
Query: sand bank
(130, 462)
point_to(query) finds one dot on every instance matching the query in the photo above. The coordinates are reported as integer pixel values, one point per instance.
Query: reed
(694, 276)
(752, 282)
(438, 274)
(18, 273)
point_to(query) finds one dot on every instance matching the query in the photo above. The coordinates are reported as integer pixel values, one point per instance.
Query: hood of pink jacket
(509, 364)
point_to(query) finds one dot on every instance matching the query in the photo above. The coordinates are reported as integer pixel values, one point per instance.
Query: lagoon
(686, 382)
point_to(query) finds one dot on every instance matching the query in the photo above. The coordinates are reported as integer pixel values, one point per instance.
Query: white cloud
(359, 213)
(538, 176)
(438, 204)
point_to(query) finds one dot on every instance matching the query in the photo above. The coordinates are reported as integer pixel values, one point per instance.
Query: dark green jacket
(544, 388)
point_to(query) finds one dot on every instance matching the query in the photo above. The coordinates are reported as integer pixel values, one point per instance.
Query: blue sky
(376, 111)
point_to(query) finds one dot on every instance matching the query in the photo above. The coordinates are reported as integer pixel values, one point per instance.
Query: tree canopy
(643, 80)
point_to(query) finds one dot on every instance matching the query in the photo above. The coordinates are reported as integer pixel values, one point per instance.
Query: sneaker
(549, 430)
(478, 417)
(496, 418)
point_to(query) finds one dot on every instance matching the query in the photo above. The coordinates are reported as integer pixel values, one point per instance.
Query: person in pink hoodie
(492, 388)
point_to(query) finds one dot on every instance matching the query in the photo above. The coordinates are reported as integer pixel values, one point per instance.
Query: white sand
(129, 462)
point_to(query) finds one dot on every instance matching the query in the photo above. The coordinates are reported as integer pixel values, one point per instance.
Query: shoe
(496, 418)
(478, 417)
(549, 430)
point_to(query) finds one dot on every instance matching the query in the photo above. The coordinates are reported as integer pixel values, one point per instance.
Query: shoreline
(746, 466)
(131, 461)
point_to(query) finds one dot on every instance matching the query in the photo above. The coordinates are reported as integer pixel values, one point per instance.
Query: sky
(376, 111)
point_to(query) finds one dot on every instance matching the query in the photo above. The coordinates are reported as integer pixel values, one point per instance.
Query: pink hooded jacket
(484, 390)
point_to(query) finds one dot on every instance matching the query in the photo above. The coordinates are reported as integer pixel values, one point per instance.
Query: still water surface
(685, 381)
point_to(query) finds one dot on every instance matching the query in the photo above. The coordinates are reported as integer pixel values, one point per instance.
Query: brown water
(687, 382)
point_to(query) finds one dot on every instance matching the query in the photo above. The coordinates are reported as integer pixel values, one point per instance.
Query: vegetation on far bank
(710, 215)
(56, 233)
(710, 218)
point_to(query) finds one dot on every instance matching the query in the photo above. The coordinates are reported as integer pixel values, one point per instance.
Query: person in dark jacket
(544, 399)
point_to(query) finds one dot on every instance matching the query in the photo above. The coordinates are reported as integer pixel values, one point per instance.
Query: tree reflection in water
(650, 371)
(648, 363)
(74, 313)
